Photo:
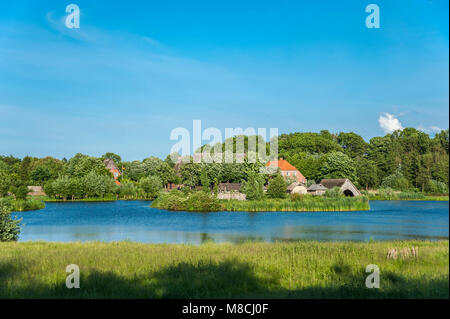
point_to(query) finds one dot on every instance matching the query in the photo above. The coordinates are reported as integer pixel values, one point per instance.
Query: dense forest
(404, 160)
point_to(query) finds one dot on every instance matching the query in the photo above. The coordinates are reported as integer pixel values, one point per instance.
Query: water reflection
(135, 220)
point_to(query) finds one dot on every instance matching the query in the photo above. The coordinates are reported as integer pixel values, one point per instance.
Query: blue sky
(135, 70)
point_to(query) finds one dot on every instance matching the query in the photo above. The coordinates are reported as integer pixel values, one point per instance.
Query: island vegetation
(305, 269)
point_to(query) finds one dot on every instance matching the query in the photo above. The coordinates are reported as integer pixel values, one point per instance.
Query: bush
(20, 192)
(396, 181)
(151, 186)
(277, 187)
(198, 201)
(9, 228)
(335, 192)
(254, 187)
(386, 193)
(437, 187)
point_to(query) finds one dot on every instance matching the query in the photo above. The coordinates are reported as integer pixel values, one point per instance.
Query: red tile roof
(282, 164)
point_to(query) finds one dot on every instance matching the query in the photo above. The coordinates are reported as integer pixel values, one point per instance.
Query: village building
(297, 188)
(112, 167)
(35, 191)
(229, 187)
(344, 184)
(317, 189)
(288, 171)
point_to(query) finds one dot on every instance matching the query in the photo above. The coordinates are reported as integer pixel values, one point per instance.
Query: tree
(5, 184)
(20, 192)
(61, 187)
(353, 144)
(204, 179)
(396, 180)
(339, 165)
(116, 158)
(151, 186)
(277, 187)
(9, 228)
(41, 174)
(367, 172)
(254, 187)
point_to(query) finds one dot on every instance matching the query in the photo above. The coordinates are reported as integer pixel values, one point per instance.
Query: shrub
(20, 192)
(9, 228)
(254, 187)
(335, 192)
(187, 201)
(437, 187)
(151, 186)
(277, 187)
(386, 193)
(396, 181)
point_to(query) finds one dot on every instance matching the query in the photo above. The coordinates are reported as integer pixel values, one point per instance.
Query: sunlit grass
(293, 270)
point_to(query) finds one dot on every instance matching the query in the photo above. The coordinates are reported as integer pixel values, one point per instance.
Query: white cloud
(389, 123)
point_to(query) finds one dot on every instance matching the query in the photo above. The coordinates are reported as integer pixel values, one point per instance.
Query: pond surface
(136, 221)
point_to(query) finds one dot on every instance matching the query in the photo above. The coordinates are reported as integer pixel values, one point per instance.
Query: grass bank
(389, 194)
(312, 204)
(250, 270)
(26, 205)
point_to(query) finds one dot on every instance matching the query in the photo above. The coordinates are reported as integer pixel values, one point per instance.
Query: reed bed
(316, 204)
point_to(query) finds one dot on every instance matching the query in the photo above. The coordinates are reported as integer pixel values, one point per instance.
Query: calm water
(135, 220)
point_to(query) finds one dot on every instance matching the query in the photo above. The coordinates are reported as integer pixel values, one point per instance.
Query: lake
(136, 221)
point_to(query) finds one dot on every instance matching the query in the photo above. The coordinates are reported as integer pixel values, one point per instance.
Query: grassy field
(280, 270)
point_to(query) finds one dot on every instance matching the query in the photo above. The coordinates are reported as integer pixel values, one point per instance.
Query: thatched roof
(330, 183)
(228, 187)
(317, 187)
(292, 186)
(109, 164)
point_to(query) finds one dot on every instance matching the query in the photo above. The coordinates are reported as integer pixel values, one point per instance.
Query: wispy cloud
(429, 129)
(389, 123)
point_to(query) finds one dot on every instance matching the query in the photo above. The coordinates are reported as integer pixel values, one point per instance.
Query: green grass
(310, 204)
(27, 205)
(90, 199)
(249, 270)
(389, 194)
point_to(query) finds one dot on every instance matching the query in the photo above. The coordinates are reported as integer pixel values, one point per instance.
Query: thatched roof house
(35, 191)
(297, 188)
(317, 189)
(112, 167)
(344, 184)
(229, 187)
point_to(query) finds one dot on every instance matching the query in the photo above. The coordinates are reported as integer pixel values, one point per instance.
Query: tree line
(404, 160)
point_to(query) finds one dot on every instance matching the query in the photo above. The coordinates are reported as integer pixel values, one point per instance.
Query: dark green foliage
(204, 179)
(9, 228)
(254, 187)
(20, 192)
(339, 165)
(151, 186)
(187, 201)
(277, 187)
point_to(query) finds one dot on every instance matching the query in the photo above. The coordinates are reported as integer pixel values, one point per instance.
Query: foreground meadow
(251, 270)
